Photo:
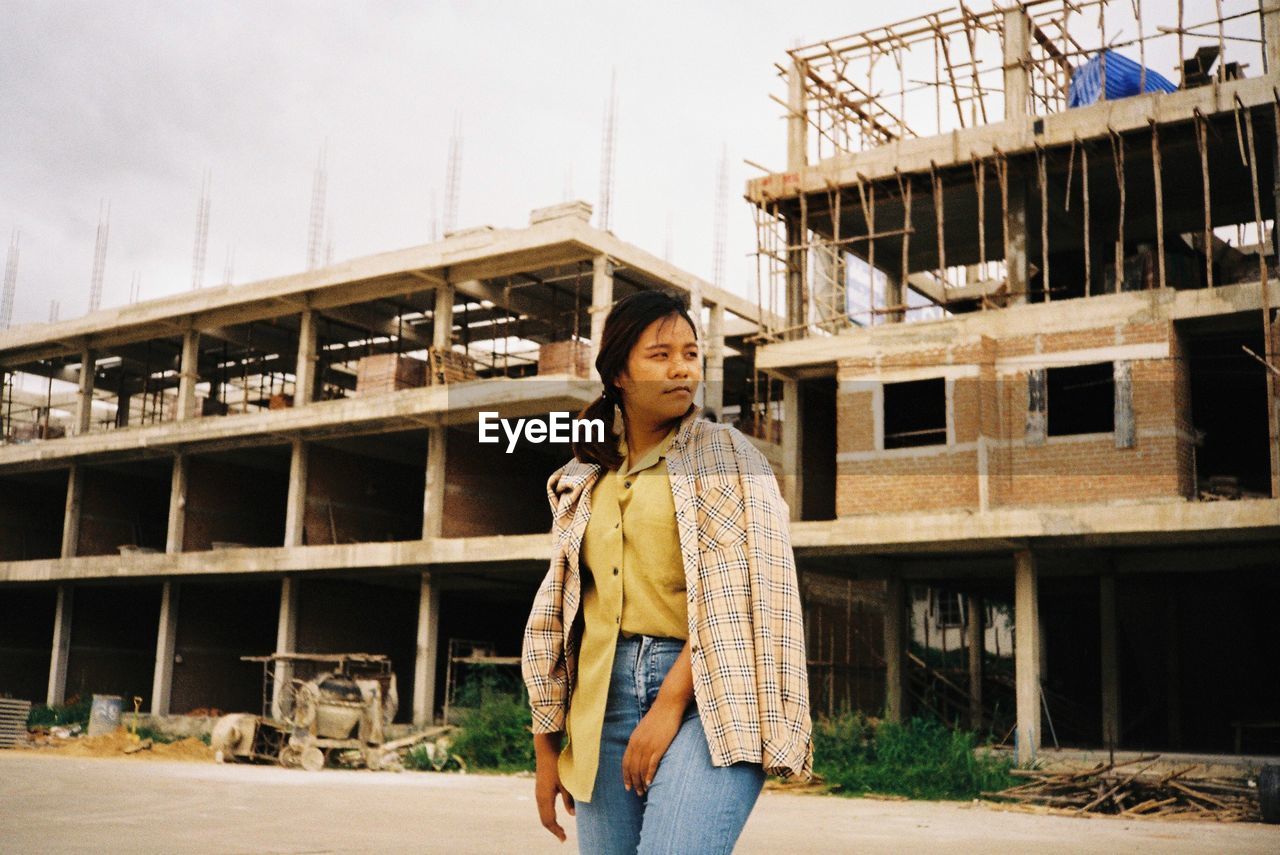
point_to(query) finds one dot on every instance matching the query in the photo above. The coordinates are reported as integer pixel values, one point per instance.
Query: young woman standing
(664, 653)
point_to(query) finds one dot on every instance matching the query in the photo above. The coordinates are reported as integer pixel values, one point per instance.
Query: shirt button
(627, 484)
(615, 571)
(619, 619)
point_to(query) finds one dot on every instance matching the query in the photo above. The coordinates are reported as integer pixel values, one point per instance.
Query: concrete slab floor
(58, 804)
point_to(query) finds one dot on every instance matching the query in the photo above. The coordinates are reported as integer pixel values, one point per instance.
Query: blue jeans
(692, 806)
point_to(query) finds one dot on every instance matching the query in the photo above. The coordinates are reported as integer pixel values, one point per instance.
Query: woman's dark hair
(627, 320)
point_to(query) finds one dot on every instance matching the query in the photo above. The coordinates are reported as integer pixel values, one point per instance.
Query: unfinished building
(292, 465)
(1026, 365)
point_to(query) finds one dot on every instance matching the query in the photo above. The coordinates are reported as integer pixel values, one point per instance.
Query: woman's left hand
(648, 743)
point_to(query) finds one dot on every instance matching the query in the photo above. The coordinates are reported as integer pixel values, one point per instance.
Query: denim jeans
(691, 806)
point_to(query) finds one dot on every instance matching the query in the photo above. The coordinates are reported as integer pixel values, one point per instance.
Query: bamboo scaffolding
(1157, 177)
(1202, 145)
(1117, 163)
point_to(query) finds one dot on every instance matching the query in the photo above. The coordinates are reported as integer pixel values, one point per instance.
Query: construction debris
(1130, 789)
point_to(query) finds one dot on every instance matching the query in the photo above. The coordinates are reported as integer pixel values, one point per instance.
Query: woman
(664, 653)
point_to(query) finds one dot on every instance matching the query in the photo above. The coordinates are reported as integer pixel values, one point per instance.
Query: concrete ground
(61, 804)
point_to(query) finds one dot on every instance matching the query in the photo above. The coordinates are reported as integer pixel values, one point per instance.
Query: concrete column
(162, 681)
(84, 394)
(177, 505)
(188, 375)
(304, 372)
(895, 294)
(895, 651)
(424, 666)
(442, 319)
(797, 120)
(1270, 36)
(1110, 662)
(1015, 238)
(975, 641)
(296, 504)
(797, 306)
(71, 517)
(1017, 75)
(1026, 617)
(433, 497)
(61, 651)
(286, 640)
(601, 303)
(792, 446)
(713, 381)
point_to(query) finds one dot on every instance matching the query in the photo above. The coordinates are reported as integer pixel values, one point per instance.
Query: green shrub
(495, 723)
(75, 711)
(921, 759)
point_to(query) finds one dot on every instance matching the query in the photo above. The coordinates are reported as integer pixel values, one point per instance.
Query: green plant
(920, 759)
(147, 732)
(206, 738)
(495, 723)
(74, 711)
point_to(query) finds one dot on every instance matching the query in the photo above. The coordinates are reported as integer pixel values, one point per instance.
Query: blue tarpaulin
(1124, 76)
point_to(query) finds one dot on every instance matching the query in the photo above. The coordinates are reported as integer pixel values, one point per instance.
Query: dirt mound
(115, 745)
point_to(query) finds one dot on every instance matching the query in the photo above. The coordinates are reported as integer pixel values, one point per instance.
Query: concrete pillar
(1110, 662)
(895, 294)
(286, 640)
(797, 307)
(424, 666)
(442, 319)
(188, 375)
(84, 394)
(433, 497)
(1015, 238)
(793, 446)
(895, 651)
(176, 530)
(976, 642)
(601, 303)
(1026, 617)
(1270, 36)
(61, 651)
(162, 680)
(713, 380)
(1017, 74)
(797, 119)
(71, 517)
(304, 372)
(295, 511)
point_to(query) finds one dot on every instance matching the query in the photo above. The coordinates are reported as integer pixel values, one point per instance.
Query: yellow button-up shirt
(635, 584)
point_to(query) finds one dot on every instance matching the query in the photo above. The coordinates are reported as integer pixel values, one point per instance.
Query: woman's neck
(644, 433)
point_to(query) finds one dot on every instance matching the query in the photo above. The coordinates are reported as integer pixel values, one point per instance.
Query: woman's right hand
(547, 785)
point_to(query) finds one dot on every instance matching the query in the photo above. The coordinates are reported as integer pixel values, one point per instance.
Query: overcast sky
(130, 101)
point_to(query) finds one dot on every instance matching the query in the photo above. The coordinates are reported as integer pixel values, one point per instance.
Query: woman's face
(663, 371)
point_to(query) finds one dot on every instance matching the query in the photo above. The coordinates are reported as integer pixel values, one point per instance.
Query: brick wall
(987, 427)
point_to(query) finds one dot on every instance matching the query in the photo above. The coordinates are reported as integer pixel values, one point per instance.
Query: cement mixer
(315, 705)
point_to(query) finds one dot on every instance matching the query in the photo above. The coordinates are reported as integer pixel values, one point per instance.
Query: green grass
(75, 711)
(920, 759)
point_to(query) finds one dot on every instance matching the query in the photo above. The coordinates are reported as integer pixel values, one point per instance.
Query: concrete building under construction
(1011, 353)
(292, 465)
(1026, 369)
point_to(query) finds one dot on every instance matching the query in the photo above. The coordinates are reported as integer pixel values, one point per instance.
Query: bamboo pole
(938, 215)
(1157, 175)
(1117, 163)
(1202, 144)
(1088, 225)
(1043, 181)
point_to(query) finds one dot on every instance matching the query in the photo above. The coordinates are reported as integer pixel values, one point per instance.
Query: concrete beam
(61, 650)
(286, 641)
(601, 303)
(1026, 618)
(896, 696)
(166, 635)
(424, 666)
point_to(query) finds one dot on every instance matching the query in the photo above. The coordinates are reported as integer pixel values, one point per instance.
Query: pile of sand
(114, 745)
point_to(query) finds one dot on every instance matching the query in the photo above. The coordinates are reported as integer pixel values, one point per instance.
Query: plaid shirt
(746, 628)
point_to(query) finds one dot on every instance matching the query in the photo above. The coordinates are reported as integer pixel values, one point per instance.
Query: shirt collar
(651, 457)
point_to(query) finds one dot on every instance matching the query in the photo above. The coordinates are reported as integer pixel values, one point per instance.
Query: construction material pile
(1131, 789)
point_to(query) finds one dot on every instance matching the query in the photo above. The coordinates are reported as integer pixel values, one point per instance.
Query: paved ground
(61, 804)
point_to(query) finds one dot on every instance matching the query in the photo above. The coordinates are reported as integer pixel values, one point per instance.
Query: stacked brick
(565, 357)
